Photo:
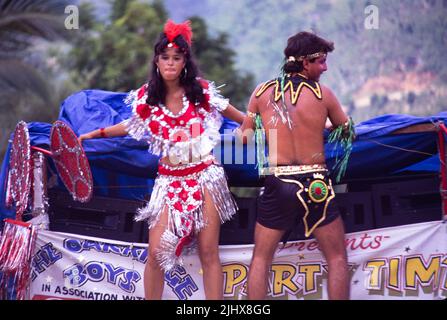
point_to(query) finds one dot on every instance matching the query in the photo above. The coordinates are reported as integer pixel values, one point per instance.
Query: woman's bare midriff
(168, 162)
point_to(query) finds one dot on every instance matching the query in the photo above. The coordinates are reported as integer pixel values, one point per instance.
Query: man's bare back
(295, 192)
(303, 143)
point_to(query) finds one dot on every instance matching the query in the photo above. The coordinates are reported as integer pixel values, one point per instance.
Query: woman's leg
(208, 240)
(153, 274)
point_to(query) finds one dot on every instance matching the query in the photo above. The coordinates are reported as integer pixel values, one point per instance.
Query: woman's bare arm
(233, 114)
(117, 130)
(245, 131)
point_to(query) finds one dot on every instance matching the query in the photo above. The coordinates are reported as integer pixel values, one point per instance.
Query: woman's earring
(158, 72)
(186, 72)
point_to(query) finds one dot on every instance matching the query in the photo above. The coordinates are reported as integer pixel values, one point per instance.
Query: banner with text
(405, 262)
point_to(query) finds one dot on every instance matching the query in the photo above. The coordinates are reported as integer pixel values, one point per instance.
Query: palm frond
(19, 78)
(22, 20)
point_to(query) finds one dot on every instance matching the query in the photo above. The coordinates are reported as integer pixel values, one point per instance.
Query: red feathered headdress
(172, 30)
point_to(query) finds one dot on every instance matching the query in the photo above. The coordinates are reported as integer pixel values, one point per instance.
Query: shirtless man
(299, 187)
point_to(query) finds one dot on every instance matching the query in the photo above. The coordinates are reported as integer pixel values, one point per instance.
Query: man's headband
(309, 56)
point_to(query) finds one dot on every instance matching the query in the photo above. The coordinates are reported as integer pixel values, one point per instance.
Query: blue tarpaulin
(122, 166)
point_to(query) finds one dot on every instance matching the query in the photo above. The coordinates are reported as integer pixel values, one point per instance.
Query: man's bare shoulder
(328, 95)
(263, 84)
(253, 104)
(264, 87)
(326, 91)
(330, 100)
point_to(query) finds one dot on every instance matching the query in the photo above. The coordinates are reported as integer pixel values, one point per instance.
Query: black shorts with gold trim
(294, 193)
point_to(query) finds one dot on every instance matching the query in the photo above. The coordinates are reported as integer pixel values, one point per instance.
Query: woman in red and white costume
(180, 115)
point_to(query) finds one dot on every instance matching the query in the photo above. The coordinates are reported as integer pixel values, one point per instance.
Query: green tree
(116, 56)
(217, 61)
(25, 93)
(22, 22)
(410, 39)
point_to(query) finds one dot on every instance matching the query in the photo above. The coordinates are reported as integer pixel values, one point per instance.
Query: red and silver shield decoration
(71, 162)
(19, 178)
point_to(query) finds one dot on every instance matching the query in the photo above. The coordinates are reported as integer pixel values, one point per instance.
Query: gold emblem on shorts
(318, 191)
(318, 176)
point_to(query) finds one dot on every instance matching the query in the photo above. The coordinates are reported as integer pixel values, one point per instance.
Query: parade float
(67, 212)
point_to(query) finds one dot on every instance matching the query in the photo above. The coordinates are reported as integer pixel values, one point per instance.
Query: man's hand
(243, 136)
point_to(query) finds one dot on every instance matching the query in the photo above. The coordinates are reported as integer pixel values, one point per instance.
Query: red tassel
(184, 241)
(172, 30)
(16, 247)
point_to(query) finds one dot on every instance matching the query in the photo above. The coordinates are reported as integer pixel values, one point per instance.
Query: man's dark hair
(156, 91)
(303, 44)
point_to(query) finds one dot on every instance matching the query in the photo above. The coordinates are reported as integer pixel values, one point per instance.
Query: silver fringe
(216, 99)
(131, 97)
(136, 127)
(151, 212)
(177, 151)
(214, 180)
(165, 255)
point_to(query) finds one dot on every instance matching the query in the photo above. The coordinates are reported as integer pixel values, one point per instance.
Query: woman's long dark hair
(156, 87)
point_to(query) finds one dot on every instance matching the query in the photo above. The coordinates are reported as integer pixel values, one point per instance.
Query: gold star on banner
(49, 279)
(201, 271)
(81, 258)
(353, 267)
(243, 289)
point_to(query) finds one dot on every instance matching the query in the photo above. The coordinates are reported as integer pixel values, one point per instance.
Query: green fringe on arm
(260, 144)
(283, 80)
(344, 136)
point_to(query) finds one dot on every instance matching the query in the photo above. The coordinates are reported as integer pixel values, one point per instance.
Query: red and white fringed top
(193, 131)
